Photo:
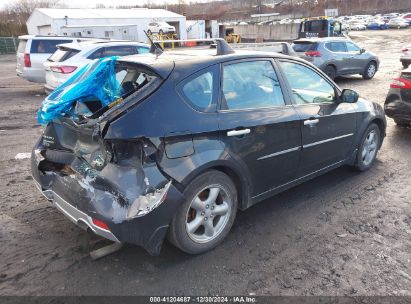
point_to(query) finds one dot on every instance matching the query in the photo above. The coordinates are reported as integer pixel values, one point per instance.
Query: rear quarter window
(40, 46)
(198, 91)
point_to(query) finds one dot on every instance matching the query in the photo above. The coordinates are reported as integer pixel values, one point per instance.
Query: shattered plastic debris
(22, 155)
(96, 80)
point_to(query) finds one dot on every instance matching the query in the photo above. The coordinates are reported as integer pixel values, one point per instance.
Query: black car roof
(194, 60)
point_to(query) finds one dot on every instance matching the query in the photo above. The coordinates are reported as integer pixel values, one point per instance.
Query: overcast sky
(92, 3)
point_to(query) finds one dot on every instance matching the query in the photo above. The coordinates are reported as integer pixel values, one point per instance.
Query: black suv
(398, 101)
(200, 134)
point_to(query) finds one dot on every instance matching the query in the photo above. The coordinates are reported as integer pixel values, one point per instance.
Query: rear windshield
(62, 54)
(315, 26)
(22, 46)
(304, 46)
(406, 76)
(40, 46)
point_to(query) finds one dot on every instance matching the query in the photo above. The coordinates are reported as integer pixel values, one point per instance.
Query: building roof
(107, 13)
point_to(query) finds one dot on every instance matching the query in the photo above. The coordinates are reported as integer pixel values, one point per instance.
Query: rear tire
(330, 72)
(405, 65)
(370, 70)
(207, 215)
(367, 152)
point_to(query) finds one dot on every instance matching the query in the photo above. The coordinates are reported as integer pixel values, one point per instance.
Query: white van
(33, 51)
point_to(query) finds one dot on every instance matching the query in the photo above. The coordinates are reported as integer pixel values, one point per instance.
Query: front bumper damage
(112, 203)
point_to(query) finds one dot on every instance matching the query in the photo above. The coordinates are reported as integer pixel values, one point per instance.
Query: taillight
(100, 224)
(404, 50)
(63, 69)
(313, 54)
(27, 62)
(400, 83)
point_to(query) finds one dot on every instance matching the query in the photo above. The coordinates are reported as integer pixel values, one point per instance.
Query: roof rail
(223, 48)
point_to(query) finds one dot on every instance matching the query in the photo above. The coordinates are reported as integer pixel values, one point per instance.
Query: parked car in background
(200, 135)
(398, 102)
(406, 56)
(160, 27)
(71, 57)
(398, 23)
(377, 25)
(407, 17)
(33, 51)
(337, 56)
(358, 26)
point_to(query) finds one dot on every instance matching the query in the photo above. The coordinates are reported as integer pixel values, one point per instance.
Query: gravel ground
(345, 233)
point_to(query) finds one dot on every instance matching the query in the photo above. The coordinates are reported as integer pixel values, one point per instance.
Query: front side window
(251, 84)
(198, 91)
(308, 87)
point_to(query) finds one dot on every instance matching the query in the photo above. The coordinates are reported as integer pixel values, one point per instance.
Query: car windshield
(45, 46)
(304, 46)
(95, 89)
(62, 54)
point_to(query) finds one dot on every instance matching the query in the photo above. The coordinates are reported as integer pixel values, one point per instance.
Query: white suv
(33, 51)
(71, 57)
(160, 27)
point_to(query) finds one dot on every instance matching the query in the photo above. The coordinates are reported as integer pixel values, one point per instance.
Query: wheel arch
(237, 175)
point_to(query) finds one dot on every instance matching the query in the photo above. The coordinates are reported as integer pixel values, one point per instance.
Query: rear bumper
(75, 215)
(81, 201)
(398, 109)
(32, 75)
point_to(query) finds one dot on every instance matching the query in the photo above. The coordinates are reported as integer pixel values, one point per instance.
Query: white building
(102, 23)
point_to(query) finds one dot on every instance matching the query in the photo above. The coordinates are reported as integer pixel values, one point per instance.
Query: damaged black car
(190, 137)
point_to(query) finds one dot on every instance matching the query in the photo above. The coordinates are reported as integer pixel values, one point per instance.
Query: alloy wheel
(208, 214)
(369, 149)
(371, 70)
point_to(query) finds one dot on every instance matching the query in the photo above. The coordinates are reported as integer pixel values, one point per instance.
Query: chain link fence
(8, 45)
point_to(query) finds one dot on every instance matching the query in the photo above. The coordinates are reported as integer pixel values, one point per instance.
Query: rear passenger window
(199, 92)
(45, 46)
(336, 46)
(251, 84)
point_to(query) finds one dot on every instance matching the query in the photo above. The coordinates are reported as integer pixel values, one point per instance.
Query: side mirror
(362, 51)
(349, 96)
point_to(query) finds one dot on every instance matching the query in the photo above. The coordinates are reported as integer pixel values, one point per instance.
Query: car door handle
(311, 122)
(238, 132)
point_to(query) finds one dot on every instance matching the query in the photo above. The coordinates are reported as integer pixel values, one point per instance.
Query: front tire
(368, 149)
(207, 215)
(370, 70)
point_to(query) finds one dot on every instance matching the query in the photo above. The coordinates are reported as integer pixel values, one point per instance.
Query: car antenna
(155, 48)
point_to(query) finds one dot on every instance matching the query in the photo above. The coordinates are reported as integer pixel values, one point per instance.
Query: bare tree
(21, 10)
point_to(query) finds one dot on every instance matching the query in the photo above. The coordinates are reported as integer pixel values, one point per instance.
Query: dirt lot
(345, 233)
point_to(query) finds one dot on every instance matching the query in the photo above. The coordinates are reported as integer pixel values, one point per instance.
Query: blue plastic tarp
(97, 80)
